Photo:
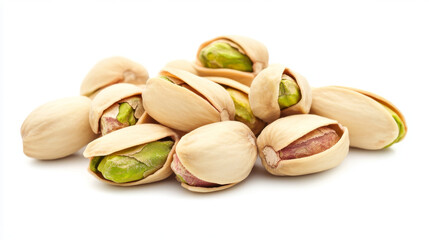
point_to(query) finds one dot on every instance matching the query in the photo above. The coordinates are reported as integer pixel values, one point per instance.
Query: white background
(380, 46)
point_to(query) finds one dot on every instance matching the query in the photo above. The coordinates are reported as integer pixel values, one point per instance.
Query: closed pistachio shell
(255, 50)
(285, 131)
(129, 137)
(223, 153)
(191, 103)
(57, 129)
(370, 124)
(264, 94)
(181, 64)
(111, 71)
(111, 95)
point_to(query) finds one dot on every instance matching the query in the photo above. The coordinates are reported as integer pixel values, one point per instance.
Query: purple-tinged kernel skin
(312, 143)
(189, 179)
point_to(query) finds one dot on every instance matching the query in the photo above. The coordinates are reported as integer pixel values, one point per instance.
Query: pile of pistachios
(207, 120)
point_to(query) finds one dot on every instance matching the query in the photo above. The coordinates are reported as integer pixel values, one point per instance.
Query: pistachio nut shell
(180, 108)
(370, 124)
(223, 153)
(129, 137)
(110, 71)
(264, 93)
(255, 50)
(285, 131)
(109, 96)
(184, 65)
(57, 128)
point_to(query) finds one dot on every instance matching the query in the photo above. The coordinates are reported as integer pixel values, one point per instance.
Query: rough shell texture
(57, 129)
(110, 71)
(180, 108)
(264, 93)
(182, 65)
(284, 131)
(256, 51)
(371, 126)
(222, 153)
(130, 137)
(109, 96)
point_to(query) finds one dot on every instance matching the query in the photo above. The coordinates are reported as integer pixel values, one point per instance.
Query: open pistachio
(235, 57)
(110, 71)
(374, 123)
(302, 144)
(116, 107)
(215, 156)
(239, 94)
(277, 92)
(134, 155)
(221, 54)
(183, 101)
(57, 129)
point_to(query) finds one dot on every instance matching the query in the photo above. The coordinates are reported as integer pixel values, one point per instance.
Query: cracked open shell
(184, 101)
(240, 95)
(264, 94)
(111, 71)
(255, 50)
(105, 107)
(294, 131)
(127, 138)
(222, 153)
(57, 129)
(374, 123)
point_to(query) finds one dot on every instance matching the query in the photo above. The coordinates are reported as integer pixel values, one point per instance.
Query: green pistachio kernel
(289, 93)
(126, 114)
(129, 165)
(223, 55)
(95, 161)
(166, 78)
(401, 126)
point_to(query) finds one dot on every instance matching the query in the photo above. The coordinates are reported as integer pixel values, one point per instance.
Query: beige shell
(256, 51)
(110, 71)
(182, 109)
(182, 65)
(57, 129)
(222, 153)
(129, 137)
(371, 126)
(264, 93)
(284, 131)
(109, 96)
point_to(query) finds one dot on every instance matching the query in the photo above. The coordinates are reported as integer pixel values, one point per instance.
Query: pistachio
(239, 94)
(312, 145)
(222, 55)
(116, 107)
(289, 93)
(373, 122)
(57, 129)
(110, 71)
(235, 57)
(131, 165)
(215, 156)
(278, 92)
(189, 103)
(184, 65)
(133, 155)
